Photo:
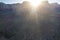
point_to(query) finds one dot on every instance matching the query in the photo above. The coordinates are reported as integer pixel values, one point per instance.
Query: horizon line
(23, 1)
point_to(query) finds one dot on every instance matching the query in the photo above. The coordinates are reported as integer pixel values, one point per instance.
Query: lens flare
(34, 2)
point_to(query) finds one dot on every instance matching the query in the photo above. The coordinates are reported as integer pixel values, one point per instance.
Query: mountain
(20, 21)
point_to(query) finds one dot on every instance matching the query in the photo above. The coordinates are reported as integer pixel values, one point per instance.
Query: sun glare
(35, 2)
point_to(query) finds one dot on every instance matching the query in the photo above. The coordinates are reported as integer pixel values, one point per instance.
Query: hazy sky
(18, 1)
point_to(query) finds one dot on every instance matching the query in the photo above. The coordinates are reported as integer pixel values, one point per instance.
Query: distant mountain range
(4, 6)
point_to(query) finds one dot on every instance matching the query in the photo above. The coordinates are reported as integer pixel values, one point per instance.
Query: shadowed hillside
(21, 21)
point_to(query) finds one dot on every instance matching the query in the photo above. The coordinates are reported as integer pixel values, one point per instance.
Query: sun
(35, 2)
